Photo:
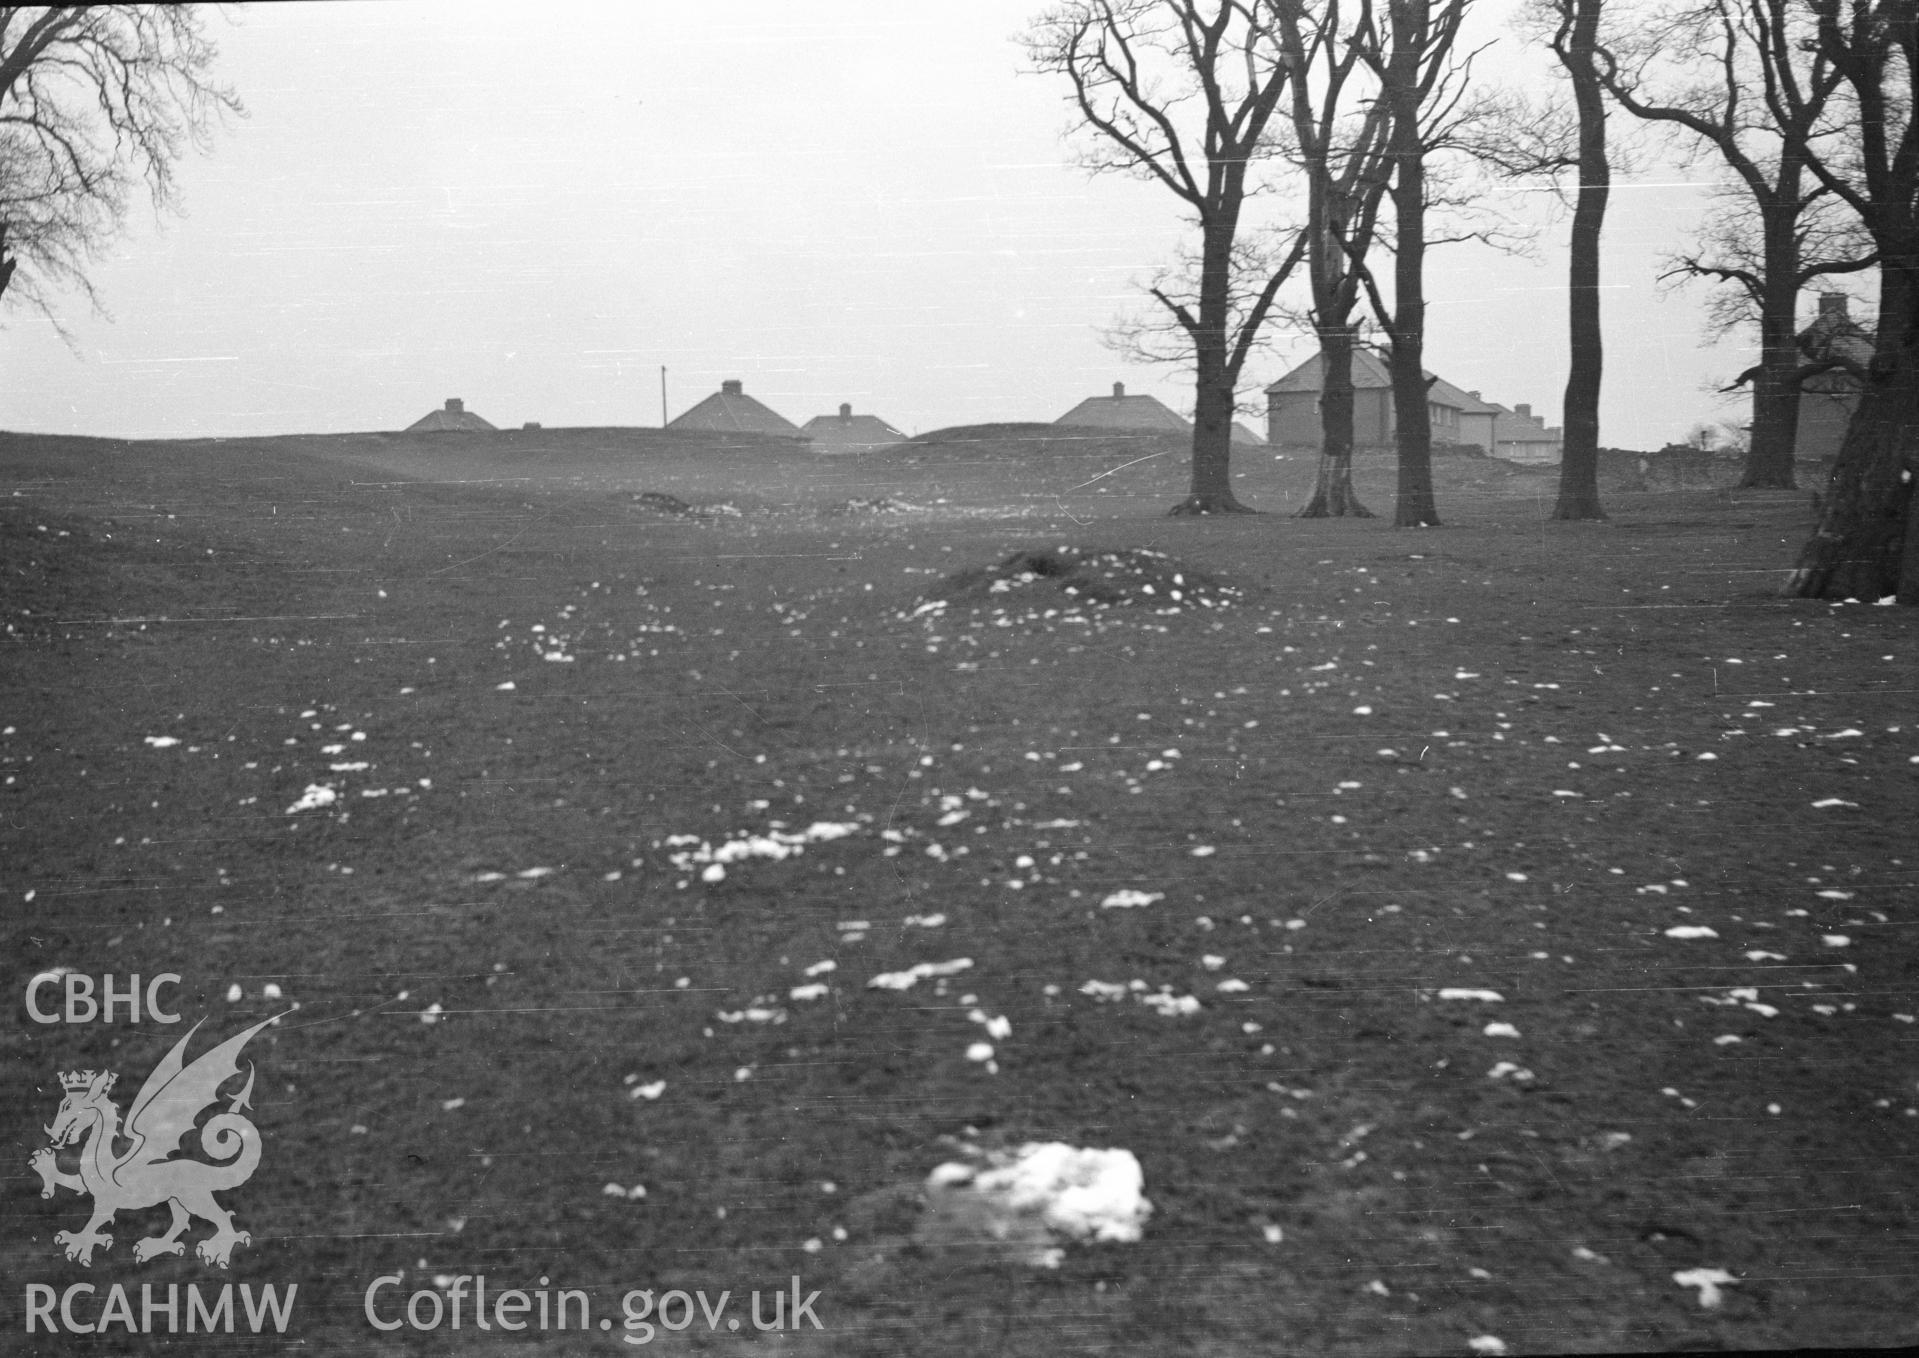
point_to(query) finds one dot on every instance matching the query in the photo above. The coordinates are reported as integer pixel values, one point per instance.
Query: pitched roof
(1245, 433)
(849, 432)
(731, 410)
(1522, 426)
(1120, 411)
(455, 416)
(1369, 371)
(1443, 392)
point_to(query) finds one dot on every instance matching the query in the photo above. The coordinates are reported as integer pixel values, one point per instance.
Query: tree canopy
(94, 102)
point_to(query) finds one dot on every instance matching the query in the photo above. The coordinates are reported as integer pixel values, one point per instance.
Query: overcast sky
(534, 208)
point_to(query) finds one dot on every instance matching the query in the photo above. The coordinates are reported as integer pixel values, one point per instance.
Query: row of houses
(1459, 417)
(1462, 418)
(1292, 416)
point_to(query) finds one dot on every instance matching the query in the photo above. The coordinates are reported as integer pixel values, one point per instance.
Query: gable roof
(730, 410)
(453, 416)
(850, 432)
(1120, 411)
(1245, 433)
(1445, 393)
(1370, 371)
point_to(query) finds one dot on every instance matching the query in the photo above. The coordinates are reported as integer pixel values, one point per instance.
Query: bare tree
(1745, 81)
(1423, 82)
(1339, 137)
(93, 101)
(1180, 93)
(1575, 42)
(1867, 542)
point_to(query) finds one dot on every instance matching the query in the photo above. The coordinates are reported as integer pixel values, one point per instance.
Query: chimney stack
(1833, 304)
(1524, 410)
(1119, 390)
(731, 387)
(846, 410)
(455, 405)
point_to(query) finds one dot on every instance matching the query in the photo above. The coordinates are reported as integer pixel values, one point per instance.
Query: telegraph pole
(662, 396)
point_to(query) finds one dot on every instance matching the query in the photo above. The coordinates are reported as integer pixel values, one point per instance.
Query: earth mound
(662, 503)
(1068, 578)
(881, 504)
(1029, 442)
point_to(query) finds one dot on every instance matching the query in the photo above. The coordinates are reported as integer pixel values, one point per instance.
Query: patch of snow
(1063, 1191)
(906, 980)
(1708, 1281)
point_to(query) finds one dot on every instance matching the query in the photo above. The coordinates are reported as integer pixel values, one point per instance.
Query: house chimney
(1119, 390)
(731, 387)
(846, 411)
(1476, 396)
(455, 405)
(1524, 410)
(1833, 304)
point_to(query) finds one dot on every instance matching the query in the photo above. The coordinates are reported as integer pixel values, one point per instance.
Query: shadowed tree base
(1345, 505)
(1333, 496)
(1578, 507)
(1860, 561)
(1194, 505)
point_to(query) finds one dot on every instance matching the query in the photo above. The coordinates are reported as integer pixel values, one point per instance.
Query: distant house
(1246, 434)
(1120, 411)
(1826, 401)
(1521, 436)
(454, 417)
(1292, 408)
(850, 433)
(731, 411)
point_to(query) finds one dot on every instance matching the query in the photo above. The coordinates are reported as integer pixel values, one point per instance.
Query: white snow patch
(1708, 1281)
(1169, 1005)
(906, 980)
(1042, 1193)
(316, 795)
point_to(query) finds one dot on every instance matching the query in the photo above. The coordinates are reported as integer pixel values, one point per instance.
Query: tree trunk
(1411, 22)
(1212, 484)
(1334, 497)
(1775, 389)
(1214, 399)
(1579, 453)
(1862, 547)
(1775, 427)
(1415, 507)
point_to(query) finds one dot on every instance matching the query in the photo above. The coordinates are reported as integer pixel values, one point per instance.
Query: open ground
(1483, 937)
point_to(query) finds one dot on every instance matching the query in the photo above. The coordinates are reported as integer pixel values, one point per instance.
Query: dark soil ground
(436, 743)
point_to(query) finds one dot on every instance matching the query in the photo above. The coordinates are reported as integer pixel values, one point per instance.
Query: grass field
(1528, 907)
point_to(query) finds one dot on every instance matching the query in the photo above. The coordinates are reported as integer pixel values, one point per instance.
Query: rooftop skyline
(851, 203)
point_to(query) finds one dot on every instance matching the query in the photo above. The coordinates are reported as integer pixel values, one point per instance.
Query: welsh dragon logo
(143, 1175)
